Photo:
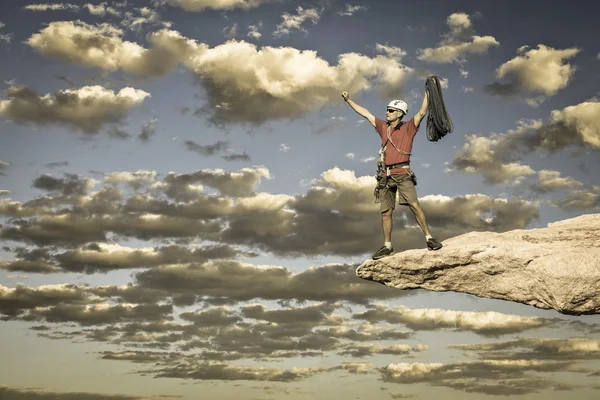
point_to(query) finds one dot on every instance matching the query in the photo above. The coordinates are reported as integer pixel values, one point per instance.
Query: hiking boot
(383, 252)
(434, 244)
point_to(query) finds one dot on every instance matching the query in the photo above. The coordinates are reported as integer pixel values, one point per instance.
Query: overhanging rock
(557, 267)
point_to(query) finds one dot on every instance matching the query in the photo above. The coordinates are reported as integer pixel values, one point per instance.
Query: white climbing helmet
(399, 105)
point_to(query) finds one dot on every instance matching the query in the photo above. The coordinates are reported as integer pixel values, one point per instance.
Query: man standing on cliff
(397, 137)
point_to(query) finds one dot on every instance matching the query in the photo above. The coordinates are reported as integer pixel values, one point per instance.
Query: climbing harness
(438, 120)
(383, 174)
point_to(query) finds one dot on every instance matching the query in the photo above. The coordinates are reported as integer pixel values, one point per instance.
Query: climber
(397, 176)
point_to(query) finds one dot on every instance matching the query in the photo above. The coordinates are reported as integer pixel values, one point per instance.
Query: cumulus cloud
(365, 350)
(483, 323)
(491, 377)
(294, 22)
(537, 349)
(86, 109)
(336, 215)
(459, 42)
(349, 10)
(542, 71)
(103, 257)
(549, 181)
(498, 156)
(102, 9)
(101, 46)
(253, 31)
(272, 83)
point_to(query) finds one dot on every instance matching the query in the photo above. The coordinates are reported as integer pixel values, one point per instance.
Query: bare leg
(386, 224)
(420, 217)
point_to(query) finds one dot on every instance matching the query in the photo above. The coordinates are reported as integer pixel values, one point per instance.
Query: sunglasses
(391, 111)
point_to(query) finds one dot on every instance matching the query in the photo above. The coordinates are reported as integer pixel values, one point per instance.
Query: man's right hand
(345, 96)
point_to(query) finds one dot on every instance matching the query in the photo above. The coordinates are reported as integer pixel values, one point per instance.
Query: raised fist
(345, 96)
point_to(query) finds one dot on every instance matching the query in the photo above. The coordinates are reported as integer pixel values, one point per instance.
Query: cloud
(458, 42)
(336, 215)
(498, 156)
(549, 181)
(36, 394)
(253, 31)
(492, 377)
(207, 150)
(587, 199)
(542, 70)
(102, 9)
(284, 148)
(4, 165)
(51, 7)
(146, 16)
(487, 324)
(237, 157)
(294, 22)
(537, 349)
(230, 32)
(101, 46)
(102, 257)
(273, 82)
(86, 109)
(349, 10)
(202, 5)
(332, 124)
(4, 37)
(148, 130)
(365, 350)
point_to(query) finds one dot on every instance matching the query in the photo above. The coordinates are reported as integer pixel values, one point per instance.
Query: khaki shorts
(405, 188)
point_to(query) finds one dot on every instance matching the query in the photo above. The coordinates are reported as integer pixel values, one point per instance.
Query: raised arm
(363, 112)
(421, 113)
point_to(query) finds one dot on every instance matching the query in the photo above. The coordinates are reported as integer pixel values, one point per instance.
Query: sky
(185, 196)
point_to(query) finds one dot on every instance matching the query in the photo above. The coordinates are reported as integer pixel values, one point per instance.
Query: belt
(399, 165)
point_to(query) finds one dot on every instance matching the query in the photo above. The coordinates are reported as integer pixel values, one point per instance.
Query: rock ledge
(557, 267)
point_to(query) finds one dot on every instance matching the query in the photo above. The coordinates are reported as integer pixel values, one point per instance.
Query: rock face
(557, 267)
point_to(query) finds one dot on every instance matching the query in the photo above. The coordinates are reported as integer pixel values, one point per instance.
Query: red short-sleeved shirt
(402, 137)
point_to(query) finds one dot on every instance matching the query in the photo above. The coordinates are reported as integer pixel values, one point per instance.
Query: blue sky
(185, 196)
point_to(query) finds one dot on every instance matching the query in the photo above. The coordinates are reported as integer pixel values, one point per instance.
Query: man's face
(391, 114)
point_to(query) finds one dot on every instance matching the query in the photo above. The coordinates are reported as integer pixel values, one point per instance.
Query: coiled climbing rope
(439, 123)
